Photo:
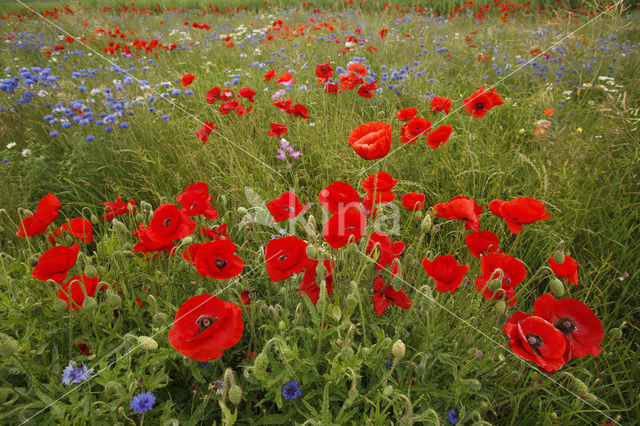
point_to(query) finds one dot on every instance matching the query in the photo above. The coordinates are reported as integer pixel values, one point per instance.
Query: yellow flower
(579, 129)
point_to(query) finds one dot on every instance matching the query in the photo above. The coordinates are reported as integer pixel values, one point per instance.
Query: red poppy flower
(204, 326)
(309, 285)
(277, 129)
(339, 196)
(406, 114)
(439, 136)
(187, 79)
(170, 223)
(283, 104)
(384, 295)
(284, 77)
(349, 223)
(245, 296)
(357, 68)
(495, 98)
(285, 257)
(460, 208)
(247, 93)
(196, 201)
(46, 212)
(55, 263)
(148, 244)
(380, 182)
(331, 88)
(216, 259)
(77, 288)
(116, 208)
(270, 74)
(203, 133)
(535, 339)
(576, 320)
(213, 95)
(411, 131)
(513, 273)
(298, 111)
(519, 212)
(480, 102)
(78, 227)
(567, 269)
(438, 103)
(84, 348)
(228, 107)
(446, 272)
(366, 90)
(324, 72)
(191, 252)
(383, 33)
(350, 81)
(285, 207)
(413, 201)
(388, 250)
(548, 112)
(371, 140)
(481, 242)
(219, 233)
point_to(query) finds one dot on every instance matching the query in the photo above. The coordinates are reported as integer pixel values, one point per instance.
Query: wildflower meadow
(320, 213)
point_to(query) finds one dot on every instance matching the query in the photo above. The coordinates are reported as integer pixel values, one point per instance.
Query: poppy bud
(558, 257)
(89, 304)
(160, 318)
(615, 333)
(282, 326)
(337, 313)
(94, 219)
(146, 207)
(472, 384)
(119, 226)
(339, 342)
(139, 217)
(579, 386)
(147, 343)
(388, 391)
(8, 346)
(261, 364)
(242, 211)
(235, 394)
(90, 271)
(130, 208)
(521, 131)
(435, 229)
(60, 305)
(113, 389)
(68, 239)
(591, 397)
(495, 285)
(312, 252)
(224, 199)
(425, 226)
(353, 392)
(311, 222)
(187, 240)
(556, 286)
(553, 415)
(500, 307)
(113, 299)
(398, 349)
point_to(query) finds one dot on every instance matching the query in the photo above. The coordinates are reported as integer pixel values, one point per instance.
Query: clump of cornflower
(291, 390)
(453, 416)
(72, 374)
(142, 402)
(287, 151)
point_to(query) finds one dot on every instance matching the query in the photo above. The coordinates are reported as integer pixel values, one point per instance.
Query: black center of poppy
(220, 263)
(289, 209)
(566, 325)
(166, 222)
(507, 280)
(535, 342)
(283, 257)
(479, 105)
(205, 322)
(350, 228)
(324, 68)
(193, 206)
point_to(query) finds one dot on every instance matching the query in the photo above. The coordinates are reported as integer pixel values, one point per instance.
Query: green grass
(585, 170)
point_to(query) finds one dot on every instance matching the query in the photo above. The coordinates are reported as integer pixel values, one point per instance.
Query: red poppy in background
(187, 79)
(445, 271)
(309, 284)
(371, 140)
(339, 196)
(217, 259)
(245, 296)
(195, 201)
(350, 80)
(548, 112)
(480, 102)
(247, 93)
(575, 320)
(518, 212)
(481, 242)
(513, 273)
(148, 244)
(277, 129)
(438, 103)
(407, 113)
(346, 224)
(213, 95)
(413, 201)
(284, 77)
(285, 207)
(116, 208)
(388, 250)
(74, 290)
(460, 208)
(324, 72)
(298, 111)
(228, 107)
(384, 295)
(46, 212)
(190, 253)
(567, 269)
(219, 233)
(78, 227)
(170, 223)
(439, 136)
(55, 263)
(270, 74)
(203, 133)
(383, 33)
(366, 90)
(535, 339)
(410, 131)
(331, 88)
(357, 68)
(379, 182)
(204, 326)
(284, 104)
(226, 95)
(285, 257)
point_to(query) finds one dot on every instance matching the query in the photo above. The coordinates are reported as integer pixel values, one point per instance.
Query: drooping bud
(235, 394)
(242, 211)
(556, 287)
(500, 307)
(89, 304)
(119, 226)
(90, 271)
(398, 349)
(147, 343)
(59, 305)
(8, 345)
(94, 219)
(579, 386)
(558, 257)
(615, 333)
(160, 318)
(187, 240)
(113, 299)
(312, 252)
(337, 313)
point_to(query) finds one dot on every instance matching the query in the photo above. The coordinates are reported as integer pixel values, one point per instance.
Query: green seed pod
(312, 252)
(235, 394)
(556, 286)
(558, 257)
(60, 305)
(500, 307)
(89, 304)
(147, 343)
(90, 271)
(388, 391)
(242, 211)
(8, 345)
(615, 333)
(398, 349)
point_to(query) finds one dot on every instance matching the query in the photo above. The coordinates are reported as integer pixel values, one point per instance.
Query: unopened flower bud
(146, 207)
(131, 208)
(235, 394)
(242, 211)
(113, 299)
(147, 343)
(139, 217)
(558, 257)
(187, 240)
(94, 219)
(591, 397)
(615, 333)
(398, 349)
(388, 391)
(500, 307)
(282, 326)
(89, 304)
(580, 387)
(556, 286)
(337, 313)
(425, 226)
(8, 345)
(495, 285)
(90, 271)
(160, 318)
(312, 252)
(59, 305)
(119, 226)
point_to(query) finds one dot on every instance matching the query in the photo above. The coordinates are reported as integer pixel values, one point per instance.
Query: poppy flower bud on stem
(8, 346)
(146, 207)
(119, 226)
(615, 333)
(242, 211)
(398, 349)
(312, 252)
(235, 394)
(500, 307)
(94, 219)
(147, 343)
(113, 299)
(89, 304)
(90, 271)
(425, 226)
(556, 286)
(59, 305)
(558, 256)
(388, 391)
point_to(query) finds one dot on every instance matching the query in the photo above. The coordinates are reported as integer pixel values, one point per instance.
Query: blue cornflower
(291, 390)
(53, 133)
(71, 374)
(387, 364)
(89, 138)
(165, 116)
(453, 417)
(108, 128)
(124, 125)
(142, 402)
